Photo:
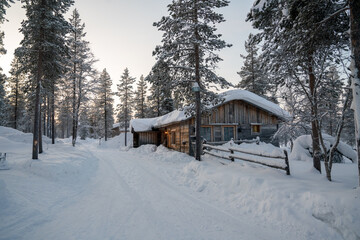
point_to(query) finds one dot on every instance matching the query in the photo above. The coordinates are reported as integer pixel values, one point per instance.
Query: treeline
(54, 89)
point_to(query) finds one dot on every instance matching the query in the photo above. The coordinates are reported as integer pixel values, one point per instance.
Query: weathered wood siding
(238, 112)
(181, 142)
(142, 138)
(242, 115)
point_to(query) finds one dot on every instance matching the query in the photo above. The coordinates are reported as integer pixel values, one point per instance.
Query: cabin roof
(147, 124)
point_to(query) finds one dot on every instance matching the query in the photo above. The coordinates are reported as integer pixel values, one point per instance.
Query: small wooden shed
(242, 115)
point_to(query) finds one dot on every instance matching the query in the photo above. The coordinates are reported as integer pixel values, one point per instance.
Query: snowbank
(57, 163)
(303, 144)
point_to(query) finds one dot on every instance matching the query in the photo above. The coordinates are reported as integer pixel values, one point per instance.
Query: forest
(303, 55)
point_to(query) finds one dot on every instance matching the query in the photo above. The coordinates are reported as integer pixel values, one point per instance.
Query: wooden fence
(230, 155)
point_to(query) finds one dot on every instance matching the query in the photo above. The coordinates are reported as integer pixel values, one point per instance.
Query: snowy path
(110, 192)
(129, 201)
(130, 198)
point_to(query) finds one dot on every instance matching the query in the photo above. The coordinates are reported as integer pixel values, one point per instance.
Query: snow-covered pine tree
(80, 71)
(160, 99)
(297, 46)
(126, 95)
(140, 99)
(252, 76)
(189, 46)
(16, 95)
(3, 5)
(104, 104)
(42, 51)
(4, 105)
(84, 127)
(330, 96)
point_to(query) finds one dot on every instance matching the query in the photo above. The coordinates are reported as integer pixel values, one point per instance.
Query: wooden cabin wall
(238, 112)
(182, 136)
(243, 115)
(148, 138)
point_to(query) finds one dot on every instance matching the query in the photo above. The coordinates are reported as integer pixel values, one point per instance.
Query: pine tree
(126, 95)
(80, 68)
(252, 77)
(4, 105)
(189, 45)
(104, 104)
(42, 51)
(140, 99)
(160, 99)
(330, 96)
(297, 46)
(16, 95)
(3, 5)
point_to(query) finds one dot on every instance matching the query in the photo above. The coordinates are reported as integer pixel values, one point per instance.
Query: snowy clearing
(113, 192)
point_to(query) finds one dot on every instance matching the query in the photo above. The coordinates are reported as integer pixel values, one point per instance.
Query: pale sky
(121, 34)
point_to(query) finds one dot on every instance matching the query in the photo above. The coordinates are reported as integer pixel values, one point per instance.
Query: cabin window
(255, 129)
(217, 134)
(228, 133)
(205, 132)
(173, 137)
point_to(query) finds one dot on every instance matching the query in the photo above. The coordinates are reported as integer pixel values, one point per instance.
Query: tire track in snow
(181, 210)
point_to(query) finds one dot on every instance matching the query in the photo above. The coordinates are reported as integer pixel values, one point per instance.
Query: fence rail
(232, 156)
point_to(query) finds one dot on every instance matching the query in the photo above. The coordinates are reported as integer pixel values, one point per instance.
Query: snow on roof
(252, 98)
(147, 124)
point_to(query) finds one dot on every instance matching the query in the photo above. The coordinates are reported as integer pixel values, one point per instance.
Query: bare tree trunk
(16, 103)
(355, 47)
(105, 116)
(314, 121)
(40, 128)
(35, 149)
(53, 113)
(74, 109)
(37, 110)
(197, 94)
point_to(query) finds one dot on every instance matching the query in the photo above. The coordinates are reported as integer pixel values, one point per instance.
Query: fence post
(287, 163)
(232, 152)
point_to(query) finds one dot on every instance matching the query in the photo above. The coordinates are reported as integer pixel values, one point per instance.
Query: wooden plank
(256, 154)
(215, 155)
(248, 160)
(216, 148)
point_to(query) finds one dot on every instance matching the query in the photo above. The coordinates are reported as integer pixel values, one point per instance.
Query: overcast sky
(121, 34)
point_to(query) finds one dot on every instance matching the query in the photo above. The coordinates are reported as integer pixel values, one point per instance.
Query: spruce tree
(160, 99)
(3, 5)
(126, 95)
(80, 68)
(42, 51)
(140, 99)
(16, 95)
(297, 46)
(252, 77)
(189, 47)
(104, 104)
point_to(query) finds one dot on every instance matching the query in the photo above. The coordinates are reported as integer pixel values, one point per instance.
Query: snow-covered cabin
(242, 115)
(116, 130)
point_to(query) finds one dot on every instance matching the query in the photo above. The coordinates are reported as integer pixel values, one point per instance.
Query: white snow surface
(109, 191)
(303, 143)
(143, 125)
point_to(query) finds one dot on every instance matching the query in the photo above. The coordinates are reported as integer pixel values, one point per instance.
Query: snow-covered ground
(109, 191)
